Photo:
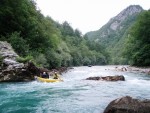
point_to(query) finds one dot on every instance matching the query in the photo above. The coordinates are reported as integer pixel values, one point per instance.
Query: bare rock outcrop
(108, 78)
(11, 70)
(117, 21)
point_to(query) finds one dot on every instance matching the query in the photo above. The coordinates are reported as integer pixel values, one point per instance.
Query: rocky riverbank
(13, 71)
(133, 69)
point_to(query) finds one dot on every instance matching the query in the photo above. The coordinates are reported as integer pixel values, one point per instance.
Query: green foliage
(53, 59)
(24, 59)
(16, 16)
(138, 42)
(67, 29)
(86, 61)
(114, 40)
(77, 33)
(18, 43)
(41, 60)
(44, 41)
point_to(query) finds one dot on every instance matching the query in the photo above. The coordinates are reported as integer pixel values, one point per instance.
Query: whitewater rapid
(75, 94)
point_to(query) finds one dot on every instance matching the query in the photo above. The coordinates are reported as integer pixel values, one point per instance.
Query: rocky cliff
(113, 34)
(10, 69)
(123, 19)
(115, 23)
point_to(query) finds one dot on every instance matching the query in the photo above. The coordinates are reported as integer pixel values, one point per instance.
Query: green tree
(47, 42)
(67, 29)
(19, 44)
(138, 42)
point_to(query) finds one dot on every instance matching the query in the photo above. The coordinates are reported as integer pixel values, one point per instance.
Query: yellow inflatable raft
(47, 79)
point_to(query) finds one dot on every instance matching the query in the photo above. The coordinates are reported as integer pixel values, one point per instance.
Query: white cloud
(86, 15)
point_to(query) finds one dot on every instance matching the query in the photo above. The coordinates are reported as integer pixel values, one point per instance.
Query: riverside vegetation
(50, 44)
(46, 42)
(126, 37)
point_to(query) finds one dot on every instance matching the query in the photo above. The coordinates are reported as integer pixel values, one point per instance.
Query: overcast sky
(86, 15)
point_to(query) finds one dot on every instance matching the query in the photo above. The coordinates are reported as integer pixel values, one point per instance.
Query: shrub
(24, 59)
(41, 60)
(18, 43)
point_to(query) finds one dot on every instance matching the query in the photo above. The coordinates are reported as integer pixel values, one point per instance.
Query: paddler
(56, 76)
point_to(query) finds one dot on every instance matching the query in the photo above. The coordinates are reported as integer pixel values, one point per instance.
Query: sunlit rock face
(124, 19)
(116, 21)
(113, 34)
(11, 70)
(9, 56)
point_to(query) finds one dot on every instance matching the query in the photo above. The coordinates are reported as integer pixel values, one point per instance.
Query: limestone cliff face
(116, 24)
(9, 56)
(123, 15)
(10, 69)
(113, 34)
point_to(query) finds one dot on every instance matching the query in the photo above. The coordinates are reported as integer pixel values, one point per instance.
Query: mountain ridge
(113, 33)
(130, 10)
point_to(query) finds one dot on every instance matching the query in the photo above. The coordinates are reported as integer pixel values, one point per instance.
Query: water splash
(75, 94)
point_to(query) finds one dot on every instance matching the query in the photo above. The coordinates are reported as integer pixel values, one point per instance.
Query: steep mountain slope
(112, 35)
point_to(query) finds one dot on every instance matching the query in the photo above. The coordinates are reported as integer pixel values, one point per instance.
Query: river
(75, 94)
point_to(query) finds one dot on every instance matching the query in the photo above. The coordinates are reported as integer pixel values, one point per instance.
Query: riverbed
(75, 94)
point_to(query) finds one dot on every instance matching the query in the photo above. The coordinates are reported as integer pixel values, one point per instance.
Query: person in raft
(56, 76)
(45, 75)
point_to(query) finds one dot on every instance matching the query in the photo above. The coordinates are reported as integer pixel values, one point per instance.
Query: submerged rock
(108, 78)
(128, 105)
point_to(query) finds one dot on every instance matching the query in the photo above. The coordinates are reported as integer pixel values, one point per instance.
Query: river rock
(128, 105)
(11, 70)
(121, 68)
(108, 78)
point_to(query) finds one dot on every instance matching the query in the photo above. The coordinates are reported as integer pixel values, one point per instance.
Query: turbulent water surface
(75, 94)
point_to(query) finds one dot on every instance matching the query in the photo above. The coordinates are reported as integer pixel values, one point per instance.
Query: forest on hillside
(127, 43)
(51, 44)
(46, 42)
(137, 44)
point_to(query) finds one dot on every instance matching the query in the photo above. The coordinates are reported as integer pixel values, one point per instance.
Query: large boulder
(11, 70)
(128, 105)
(108, 78)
